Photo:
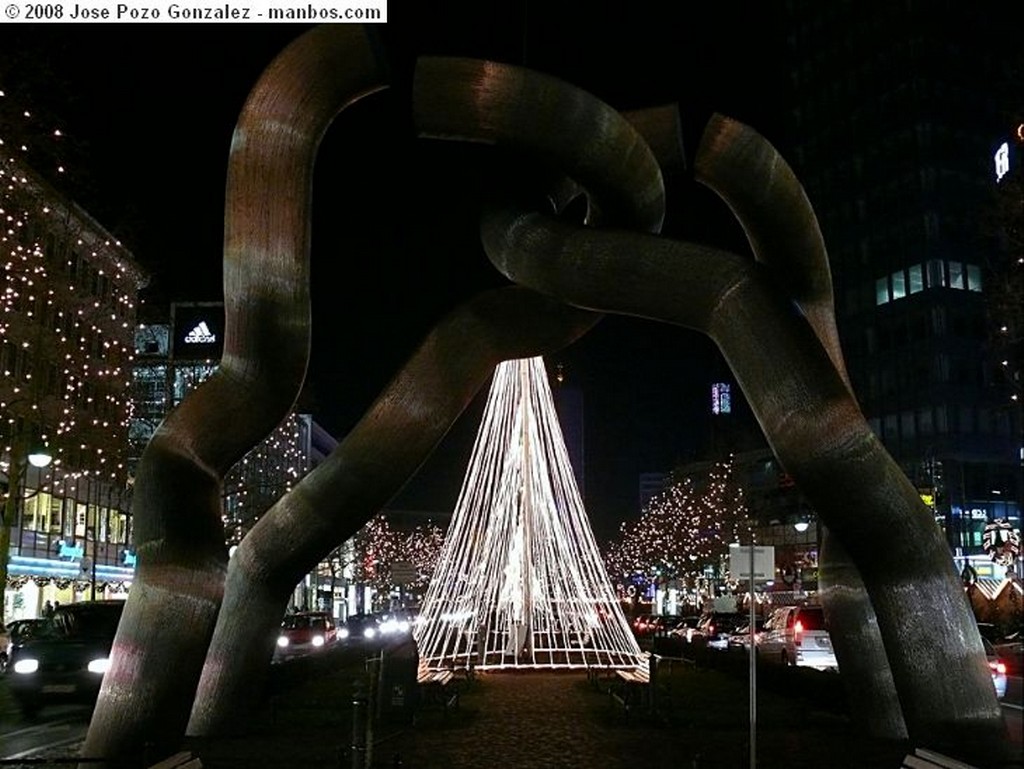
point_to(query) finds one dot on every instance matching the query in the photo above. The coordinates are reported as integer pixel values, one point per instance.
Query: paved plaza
(563, 720)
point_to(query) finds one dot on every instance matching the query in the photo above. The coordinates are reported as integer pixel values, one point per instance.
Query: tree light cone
(520, 582)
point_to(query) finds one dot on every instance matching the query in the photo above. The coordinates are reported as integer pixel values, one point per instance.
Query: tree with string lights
(684, 532)
(378, 547)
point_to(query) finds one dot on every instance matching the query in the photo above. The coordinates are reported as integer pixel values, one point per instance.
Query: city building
(68, 304)
(900, 115)
(175, 354)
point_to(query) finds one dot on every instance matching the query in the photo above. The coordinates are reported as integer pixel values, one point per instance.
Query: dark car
(64, 659)
(714, 628)
(305, 632)
(360, 627)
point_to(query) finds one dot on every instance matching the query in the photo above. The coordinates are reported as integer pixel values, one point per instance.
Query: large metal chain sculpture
(198, 631)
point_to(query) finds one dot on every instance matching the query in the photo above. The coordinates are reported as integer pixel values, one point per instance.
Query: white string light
(520, 582)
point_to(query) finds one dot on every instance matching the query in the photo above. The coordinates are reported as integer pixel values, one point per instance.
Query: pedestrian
(48, 609)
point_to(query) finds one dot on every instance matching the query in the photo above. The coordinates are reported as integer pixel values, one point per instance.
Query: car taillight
(998, 667)
(798, 630)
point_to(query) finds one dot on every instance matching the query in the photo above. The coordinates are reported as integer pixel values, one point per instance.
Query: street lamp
(39, 455)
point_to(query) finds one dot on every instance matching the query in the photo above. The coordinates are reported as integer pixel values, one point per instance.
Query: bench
(182, 760)
(929, 759)
(600, 676)
(631, 688)
(437, 687)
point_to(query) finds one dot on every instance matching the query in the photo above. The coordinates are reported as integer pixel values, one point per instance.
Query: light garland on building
(67, 314)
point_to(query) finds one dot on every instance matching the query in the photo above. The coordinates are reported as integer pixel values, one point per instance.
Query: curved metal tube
(749, 174)
(557, 123)
(484, 102)
(815, 428)
(176, 595)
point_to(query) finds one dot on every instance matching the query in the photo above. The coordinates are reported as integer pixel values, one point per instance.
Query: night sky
(148, 112)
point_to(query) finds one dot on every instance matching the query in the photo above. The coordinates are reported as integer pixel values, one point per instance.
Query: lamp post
(22, 454)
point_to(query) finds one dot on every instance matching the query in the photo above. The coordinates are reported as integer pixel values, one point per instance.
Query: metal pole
(359, 717)
(753, 669)
(95, 539)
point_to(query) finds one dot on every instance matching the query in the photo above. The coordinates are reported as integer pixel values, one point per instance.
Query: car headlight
(282, 641)
(369, 632)
(403, 627)
(27, 665)
(100, 665)
(318, 640)
(388, 626)
(343, 633)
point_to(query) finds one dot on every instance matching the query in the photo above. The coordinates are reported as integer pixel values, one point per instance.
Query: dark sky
(149, 110)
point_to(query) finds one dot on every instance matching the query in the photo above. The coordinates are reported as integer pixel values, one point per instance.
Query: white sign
(1002, 161)
(403, 572)
(764, 562)
(201, 334)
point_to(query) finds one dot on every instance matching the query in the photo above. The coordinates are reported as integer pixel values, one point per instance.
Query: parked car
(797, 635)
(740, 637)
(304, 632)
(684, 627)
(64, 660)
(714, 628)
(359, 627)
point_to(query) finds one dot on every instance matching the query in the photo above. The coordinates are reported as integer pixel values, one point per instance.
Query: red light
(798, 630)
(998, 666)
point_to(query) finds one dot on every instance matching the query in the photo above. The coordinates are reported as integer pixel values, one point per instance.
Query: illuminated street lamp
(39, 455)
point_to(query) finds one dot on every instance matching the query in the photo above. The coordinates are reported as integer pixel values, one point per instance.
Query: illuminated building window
(881, 291)
(916, 279)
(973, 277)
(899, 286)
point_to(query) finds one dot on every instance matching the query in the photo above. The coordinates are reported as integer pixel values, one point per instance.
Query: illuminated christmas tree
(520, 582)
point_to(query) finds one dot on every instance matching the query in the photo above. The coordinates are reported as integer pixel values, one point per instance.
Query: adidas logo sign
(201, 334)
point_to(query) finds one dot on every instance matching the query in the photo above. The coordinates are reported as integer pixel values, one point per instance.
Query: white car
(796, 635)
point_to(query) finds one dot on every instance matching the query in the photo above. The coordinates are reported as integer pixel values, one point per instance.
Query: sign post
(402, 573)
(754, 563)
